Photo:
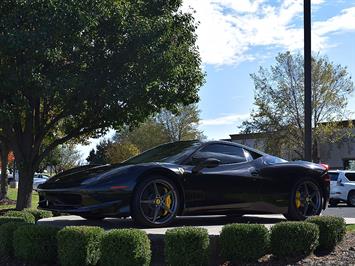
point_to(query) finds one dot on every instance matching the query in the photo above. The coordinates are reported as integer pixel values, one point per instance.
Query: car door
(229, 186)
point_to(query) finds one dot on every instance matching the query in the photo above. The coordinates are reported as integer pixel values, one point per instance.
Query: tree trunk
(24, 196)
(4, 162)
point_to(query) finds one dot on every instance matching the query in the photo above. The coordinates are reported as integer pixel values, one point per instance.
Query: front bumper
(85, 202)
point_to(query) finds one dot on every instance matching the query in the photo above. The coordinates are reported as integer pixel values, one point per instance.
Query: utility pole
(307, 80)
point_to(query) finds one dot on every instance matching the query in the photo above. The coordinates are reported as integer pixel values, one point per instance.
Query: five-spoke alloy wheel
(306, 200)
(155, 202)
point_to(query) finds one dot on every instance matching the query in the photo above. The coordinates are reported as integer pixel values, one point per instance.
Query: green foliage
(166, 126)
(28, 217)
(10, 219)
(294, 239)
(244, 242)
(79, 245)
(36, 244)
(62, 158)
(186, 246)
(39, 214)
(99, 155)
(73, 69)
(331, 230)
(279, 98)
(125, 247)
(121, 151)
(6, 237)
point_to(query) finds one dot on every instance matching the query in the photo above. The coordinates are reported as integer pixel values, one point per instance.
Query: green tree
(98, 155)
(121, 151)
(73, 68)
(62, 158)
(279, 101)
(166, 126)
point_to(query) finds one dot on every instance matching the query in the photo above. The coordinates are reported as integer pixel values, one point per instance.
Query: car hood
(77, 175)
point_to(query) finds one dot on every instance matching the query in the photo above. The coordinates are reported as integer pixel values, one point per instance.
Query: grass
(350, 227)
(12, 195)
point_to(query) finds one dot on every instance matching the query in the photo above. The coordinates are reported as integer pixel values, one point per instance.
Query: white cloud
(231, 119)
(229, 29)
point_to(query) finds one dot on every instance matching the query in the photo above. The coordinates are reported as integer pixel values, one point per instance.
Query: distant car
(342, 187)
(39, 179)
(190, 178)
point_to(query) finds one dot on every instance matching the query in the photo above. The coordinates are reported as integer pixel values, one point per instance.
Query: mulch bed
(7, 202)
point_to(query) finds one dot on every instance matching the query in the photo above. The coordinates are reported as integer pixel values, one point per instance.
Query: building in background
(338, 155)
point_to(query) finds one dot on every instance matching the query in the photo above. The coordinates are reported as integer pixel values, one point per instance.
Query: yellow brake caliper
(167, 202)
(298, 199)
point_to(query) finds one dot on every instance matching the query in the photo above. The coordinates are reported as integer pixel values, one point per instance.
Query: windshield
(168, 153)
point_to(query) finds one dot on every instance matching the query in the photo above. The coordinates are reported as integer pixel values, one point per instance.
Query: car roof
(234, 144)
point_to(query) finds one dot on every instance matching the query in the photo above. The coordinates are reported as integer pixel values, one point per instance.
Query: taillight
(326, 166)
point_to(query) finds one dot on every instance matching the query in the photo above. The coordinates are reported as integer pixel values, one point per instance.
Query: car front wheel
(155, 202)
(305, 200)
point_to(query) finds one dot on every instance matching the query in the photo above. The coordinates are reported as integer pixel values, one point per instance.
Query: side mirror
(206, 163)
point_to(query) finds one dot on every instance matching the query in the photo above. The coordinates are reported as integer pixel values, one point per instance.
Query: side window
(225, 153)
(350, 176)
(333, 176)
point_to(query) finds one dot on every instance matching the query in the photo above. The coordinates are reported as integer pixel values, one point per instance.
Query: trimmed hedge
(39, 214)
(125, 247)
(28, 217)
(331, 231)
(8, 219)
(36, 244)
(186, 246)
(244, 242)
(79, 245)
(6, 237)
(294, 239)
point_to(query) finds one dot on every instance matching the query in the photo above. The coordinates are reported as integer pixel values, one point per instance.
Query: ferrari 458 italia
(190, 178)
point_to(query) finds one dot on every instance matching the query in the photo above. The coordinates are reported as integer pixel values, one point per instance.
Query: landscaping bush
(39, 214)
(125, 247)
(28, 217)
(244, 242)
(79, 245)
(36, 244)
(7, 219)
(294, 239)
(186, 246)
(331, 231)
(6, 237)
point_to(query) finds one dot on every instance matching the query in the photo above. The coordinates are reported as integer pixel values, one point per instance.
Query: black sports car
(190, 178)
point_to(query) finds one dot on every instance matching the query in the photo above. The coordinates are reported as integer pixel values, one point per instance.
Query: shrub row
(28, 215)
(84, 245)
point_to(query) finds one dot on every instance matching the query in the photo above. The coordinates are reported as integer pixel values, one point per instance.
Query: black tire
(140, 206)
(296, 212)
(351, 199)
(333, 202)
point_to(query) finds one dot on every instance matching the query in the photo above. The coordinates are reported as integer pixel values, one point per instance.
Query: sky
(236, 37)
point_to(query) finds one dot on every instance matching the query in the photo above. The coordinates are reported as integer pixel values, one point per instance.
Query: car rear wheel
(351, 199)
(155, 202)
(305, 200)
